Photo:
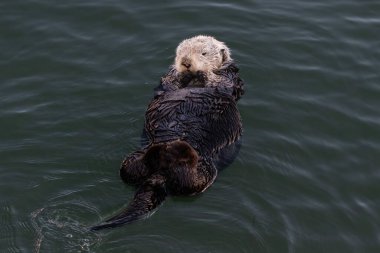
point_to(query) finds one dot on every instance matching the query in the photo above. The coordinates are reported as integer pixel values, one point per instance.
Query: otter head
(201, 54)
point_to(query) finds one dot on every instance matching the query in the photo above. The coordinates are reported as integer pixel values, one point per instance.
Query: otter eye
(204, 53)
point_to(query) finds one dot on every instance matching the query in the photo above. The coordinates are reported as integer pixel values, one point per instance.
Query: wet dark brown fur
(171, 155)
(189, 129)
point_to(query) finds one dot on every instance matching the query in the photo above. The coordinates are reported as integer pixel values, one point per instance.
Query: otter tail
(148, 197)
(174, 168)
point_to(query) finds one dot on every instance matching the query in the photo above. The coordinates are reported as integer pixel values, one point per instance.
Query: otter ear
(225, 55)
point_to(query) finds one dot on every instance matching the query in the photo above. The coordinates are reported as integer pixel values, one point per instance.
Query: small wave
(61, 225)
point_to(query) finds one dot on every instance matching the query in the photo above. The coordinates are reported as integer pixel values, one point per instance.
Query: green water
(75, 80)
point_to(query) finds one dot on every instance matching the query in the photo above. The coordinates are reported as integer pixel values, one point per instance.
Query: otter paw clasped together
(191, 125)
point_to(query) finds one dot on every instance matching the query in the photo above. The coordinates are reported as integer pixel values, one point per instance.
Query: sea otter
(192, 129)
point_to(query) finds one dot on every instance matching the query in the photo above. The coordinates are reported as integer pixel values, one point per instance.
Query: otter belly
(206, 118)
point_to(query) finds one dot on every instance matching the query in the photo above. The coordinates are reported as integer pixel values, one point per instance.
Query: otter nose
(186, 62)
(187, 65)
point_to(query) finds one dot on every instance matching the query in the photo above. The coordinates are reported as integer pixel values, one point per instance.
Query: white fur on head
(201, 53)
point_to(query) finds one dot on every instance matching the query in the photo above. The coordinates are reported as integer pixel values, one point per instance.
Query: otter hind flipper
(147, 198)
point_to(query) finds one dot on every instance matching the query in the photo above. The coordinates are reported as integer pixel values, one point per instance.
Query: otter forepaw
(201, 77)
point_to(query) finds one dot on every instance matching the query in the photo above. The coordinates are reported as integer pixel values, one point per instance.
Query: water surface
(75, 80)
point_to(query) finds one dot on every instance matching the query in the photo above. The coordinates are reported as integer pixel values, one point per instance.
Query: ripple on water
(7, 230)
(74, 88)
(59, 226)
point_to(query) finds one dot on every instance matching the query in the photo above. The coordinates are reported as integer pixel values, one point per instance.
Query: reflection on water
(76, 78)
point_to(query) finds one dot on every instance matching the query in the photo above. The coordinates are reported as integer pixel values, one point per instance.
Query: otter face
(201, 54)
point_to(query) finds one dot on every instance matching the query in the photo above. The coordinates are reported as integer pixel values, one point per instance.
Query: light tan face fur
(201, 53)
